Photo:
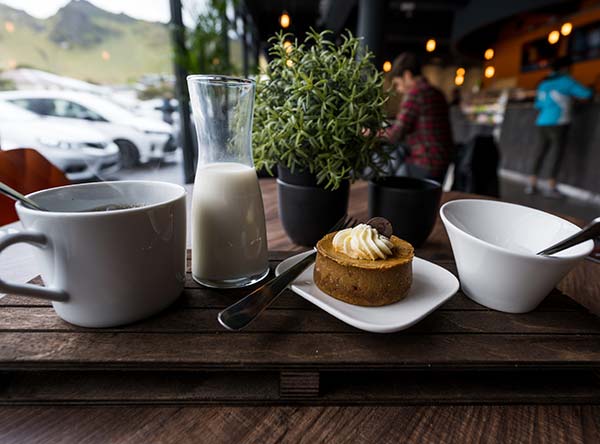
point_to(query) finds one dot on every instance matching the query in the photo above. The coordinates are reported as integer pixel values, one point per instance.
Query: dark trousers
(400, 166)
(552, 142)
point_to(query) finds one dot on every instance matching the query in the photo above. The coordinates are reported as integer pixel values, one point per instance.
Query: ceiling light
(430, 45)
(284, 20)
(566, 28)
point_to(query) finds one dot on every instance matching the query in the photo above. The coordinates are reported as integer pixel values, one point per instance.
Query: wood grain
(406, 424)
(206, 298)
(313, 320)
(226, 350)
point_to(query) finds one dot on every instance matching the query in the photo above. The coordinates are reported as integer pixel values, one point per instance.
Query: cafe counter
(518, 145)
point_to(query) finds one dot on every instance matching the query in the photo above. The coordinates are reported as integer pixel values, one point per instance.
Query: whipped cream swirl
(362, 242)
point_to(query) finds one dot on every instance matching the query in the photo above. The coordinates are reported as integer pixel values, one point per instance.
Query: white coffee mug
(106, 268)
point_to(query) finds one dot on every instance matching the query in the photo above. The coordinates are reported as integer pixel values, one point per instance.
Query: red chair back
(26, 171)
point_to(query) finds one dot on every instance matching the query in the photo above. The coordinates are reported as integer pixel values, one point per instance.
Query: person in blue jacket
(554, 100)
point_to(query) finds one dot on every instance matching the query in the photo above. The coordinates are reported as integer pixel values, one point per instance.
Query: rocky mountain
(79, 23)
(86, 42)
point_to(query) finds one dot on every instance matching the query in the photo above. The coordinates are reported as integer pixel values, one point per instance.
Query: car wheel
(130, 155)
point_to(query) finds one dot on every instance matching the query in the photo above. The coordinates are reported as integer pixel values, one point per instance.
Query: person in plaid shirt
(422, 125)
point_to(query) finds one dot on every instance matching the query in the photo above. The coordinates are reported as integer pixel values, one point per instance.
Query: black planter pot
(410, 204)
(301, 178)
(307, 213)
(264, 173)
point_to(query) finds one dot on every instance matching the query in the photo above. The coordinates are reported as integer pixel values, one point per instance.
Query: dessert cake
(360, 266)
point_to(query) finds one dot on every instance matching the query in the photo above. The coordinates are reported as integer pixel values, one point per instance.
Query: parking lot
(167, 171)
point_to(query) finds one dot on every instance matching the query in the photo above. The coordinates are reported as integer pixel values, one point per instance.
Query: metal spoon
(14, 194)
(590, 231)
(244, 311)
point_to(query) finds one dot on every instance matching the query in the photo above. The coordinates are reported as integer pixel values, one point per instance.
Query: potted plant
(318, 111)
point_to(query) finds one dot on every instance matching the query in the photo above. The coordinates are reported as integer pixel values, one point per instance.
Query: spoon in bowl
(14, 194)
(590, 231)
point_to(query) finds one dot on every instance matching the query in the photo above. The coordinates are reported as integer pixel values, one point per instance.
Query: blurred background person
(554, 100)
(167, 108)
(421, 130)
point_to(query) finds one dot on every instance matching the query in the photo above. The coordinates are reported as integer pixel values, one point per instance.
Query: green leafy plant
(7, 84)
(206, 48)
(320, 109)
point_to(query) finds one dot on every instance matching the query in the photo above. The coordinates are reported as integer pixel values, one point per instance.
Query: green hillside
(73, 42)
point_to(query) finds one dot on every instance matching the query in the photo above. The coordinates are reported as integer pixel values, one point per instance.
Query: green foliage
(206, 45)
(153, 91)
(7, 85)
(320, 109)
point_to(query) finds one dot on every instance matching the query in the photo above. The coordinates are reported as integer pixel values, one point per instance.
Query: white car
(139, 138)
(81, 153)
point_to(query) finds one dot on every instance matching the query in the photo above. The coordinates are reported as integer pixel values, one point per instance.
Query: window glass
(43, 107)
(538, 54)
(585, 42)
(66, 108)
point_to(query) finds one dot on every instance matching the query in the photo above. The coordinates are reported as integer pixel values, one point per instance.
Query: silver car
(81, 153)
(139, 139)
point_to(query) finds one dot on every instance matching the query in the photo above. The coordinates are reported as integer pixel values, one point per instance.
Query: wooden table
(318, 402)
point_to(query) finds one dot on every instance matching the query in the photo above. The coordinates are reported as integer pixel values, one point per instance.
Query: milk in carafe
(228, 225)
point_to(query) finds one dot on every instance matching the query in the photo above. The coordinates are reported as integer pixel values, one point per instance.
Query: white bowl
(495, 246)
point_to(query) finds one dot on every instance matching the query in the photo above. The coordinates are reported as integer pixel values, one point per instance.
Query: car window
(23, 103)
(66, 108)
(43, 107)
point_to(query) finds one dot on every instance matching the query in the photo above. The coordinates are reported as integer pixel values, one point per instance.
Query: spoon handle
(14, 194)
(240, 314)
(590, 231)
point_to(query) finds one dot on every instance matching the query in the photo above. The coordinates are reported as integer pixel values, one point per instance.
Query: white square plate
(432, 286)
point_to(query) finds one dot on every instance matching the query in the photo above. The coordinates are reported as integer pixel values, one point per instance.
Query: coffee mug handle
(36, 291)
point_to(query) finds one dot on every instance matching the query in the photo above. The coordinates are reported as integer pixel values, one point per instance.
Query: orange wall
(507, 57)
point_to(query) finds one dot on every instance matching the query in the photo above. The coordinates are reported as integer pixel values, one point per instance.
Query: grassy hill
(85, 42)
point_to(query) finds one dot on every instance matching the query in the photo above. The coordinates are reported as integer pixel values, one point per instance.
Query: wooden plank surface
(221, 351)
(555, 301)
(396, 424)
(187, 342)
(295, 334)
(313, 320)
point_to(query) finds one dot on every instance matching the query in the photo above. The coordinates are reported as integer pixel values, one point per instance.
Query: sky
(151, 10)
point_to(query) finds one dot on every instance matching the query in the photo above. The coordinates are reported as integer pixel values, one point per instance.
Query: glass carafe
(229, 242)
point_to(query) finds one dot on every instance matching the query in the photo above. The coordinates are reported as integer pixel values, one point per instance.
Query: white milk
(229, 238)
